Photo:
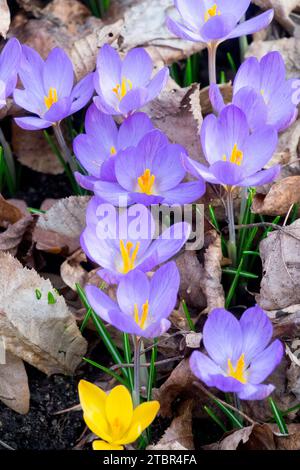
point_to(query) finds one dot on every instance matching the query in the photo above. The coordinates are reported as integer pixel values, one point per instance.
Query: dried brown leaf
(42, 334)
(282, 9)
(190, 277)
(14, 389)
(4, 18)
(8, 213)
(72, 272)
(279, 199)
(280, 254)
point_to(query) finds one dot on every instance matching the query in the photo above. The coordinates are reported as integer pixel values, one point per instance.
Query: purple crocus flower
(126, 86)
(122, 241)
(236, 156)
(150, 173)
(261, 90)
(142, 305)
(96, 150)
(214, 21)
(10, 58)
(49, 89)
(239, 358)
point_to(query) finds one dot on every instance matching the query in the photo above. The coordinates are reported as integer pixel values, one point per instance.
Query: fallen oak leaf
(282, 195)
(14, 389)
(4, 18)
(44, 335)
(72, 272)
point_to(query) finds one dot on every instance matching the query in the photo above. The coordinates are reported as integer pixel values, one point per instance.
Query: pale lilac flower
(10, 58)
(49, 90)
(97, 148)
(240, 357)
(122, 241)
(143, 305)
(236, 157)
(126, 86)
(261, 91)
(214, 21)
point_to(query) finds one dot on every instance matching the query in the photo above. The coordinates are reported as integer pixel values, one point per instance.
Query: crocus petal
(204, 368)
(265, 362)
(58, 73)
(82, 93)
(198, 170)
(226, 384)
(281, 109)
(192, 11)
(248, 75)
(86, 182)
(253, 105)
(163, 290)
(184, 193)
(272, 73)
(233, 129)
(123, 322)
(102, 445)
(227, 173)
(262, 177)
(137, 67)
(236, 9)
(112, 193)
(145, 199)
(119, 408)
(133, 129)
(27, 101)
(212, 144)
(253, 25)
(33, 123)
(167, 167)
(182, 31)
(10, 59)
(216, 98)
(31, 72)
(157, 329)
(133, 100)
(102, 127)
(218, 27)
(258, 149)
(90, 155)
(109, 66)
(257, 332)
(100, 302)
(222, 328)
(59, 110)
(255, 392)
(143, 415)
(133, 289)
(99, 250)
(97, 423)
(157, 83)
(104, 106)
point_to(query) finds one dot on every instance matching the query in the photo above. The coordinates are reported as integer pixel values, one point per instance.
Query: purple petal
(59, 110)
(255, 392)
(192, 11)
(124, 323)
(265, 362)
(86, 182)
(204, 368)
(257, 332)
(248, 75)
(28, 101)
(158, 83)
(32, 123)
(133, 129)
(236, 9)
(109, 66)
(157, 329)
(167, 167)
(222, 337)
(253, 105)
(145, 199)
(198, 170)
(82, 93)
(10, 59)
(218, 27)
(112, 193)
(137, 67)
(216, 98)
(89, 154)
(212, 144)
(108, 171)
(233, 129)
(182, 31)
(262, 177)
(184, 193)
(281, 109)
(100, 302)
(102, 127)
(258, 149)
(226, 173)
(272, 73)
(31, 72)
(104, 106)
(133, 100)
(134, 288)
(58, 73)
(163, 290)
(226, 384)
(99, 250)
(253, 25)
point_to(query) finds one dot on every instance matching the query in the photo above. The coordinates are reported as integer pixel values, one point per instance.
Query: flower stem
(137, 355)
(212, 61)
(231, 227)
(63, 147)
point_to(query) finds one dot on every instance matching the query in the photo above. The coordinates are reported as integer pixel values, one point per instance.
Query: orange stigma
(238, 372)
(128, 258)
(122, 89)
(146, 182)
(51, 98)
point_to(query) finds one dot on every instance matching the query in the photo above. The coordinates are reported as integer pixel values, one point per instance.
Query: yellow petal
(119, 411)
(98, 424)
(92, 398)
(143, 416)
(101, 445)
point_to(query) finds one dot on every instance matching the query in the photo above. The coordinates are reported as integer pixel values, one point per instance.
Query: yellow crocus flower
(112, 417)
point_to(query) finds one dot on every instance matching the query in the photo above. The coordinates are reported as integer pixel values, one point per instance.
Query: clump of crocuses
(239, 354)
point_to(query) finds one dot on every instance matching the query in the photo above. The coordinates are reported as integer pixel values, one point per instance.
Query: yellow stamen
(51, 98)
(146, 182)
(238, 372)
(113, 151)
(128, 257)
(122, 89)
(236, 156)
(145, 312)
(211, 12)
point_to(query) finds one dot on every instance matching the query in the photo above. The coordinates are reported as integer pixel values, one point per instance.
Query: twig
(6, 446)
(259, 224)
(183, 332)
(231, 407)
(147, 364)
